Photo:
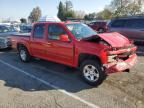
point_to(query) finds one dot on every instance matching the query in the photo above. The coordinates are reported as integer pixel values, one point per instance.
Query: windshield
(5, 29)
(80, 30)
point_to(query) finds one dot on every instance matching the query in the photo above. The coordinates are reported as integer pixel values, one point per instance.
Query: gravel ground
(18, 90)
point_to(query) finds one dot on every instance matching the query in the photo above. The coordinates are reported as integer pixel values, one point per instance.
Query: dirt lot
(42, 84)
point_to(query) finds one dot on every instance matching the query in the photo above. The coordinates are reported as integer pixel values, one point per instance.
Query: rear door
(38, 40)
(135, 29)
(56, 50)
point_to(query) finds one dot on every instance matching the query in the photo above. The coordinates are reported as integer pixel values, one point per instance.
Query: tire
(92, 73)
(24, 54)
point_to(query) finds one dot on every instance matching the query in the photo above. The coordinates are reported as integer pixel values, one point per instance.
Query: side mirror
(64, 38)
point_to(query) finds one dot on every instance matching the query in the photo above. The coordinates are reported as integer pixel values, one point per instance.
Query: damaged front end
(120, 54)
(120, 59)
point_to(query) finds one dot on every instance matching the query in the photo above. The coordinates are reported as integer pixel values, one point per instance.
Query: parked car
(131, 27)
(99, 26)
(5, 32)
(77, 45)
(25, 28)
(16, 27)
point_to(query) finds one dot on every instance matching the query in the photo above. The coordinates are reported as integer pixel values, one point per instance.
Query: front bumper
(120, 66)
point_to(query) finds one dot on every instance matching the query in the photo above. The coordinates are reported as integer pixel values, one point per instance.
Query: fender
(25, 44)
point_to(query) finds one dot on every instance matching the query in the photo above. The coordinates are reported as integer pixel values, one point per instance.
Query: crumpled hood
(115, 39)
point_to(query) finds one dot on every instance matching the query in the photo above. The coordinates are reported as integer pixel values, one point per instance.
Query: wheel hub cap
(91, 73)
(23, 55)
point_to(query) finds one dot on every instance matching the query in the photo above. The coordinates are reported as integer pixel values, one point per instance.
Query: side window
(135, 23)
(54, 32)
(4, 29)
(39, 31)
(140, 23)
(118, 23)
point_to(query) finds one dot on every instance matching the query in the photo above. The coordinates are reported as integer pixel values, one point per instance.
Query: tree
(90, 16)
(126, 7)
(35, 15)
(65, 11)
(79, 14)
(61, 11)
(23, 20)
(104, 15)
(70, 14)
(69, 5)
(133, 9)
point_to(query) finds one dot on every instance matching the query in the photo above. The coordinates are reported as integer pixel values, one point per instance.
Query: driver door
(57, 50)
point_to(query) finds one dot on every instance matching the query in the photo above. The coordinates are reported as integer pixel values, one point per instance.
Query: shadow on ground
(59, 75)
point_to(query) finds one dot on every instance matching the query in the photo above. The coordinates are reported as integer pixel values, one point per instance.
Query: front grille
(4, 43)
(125, 55)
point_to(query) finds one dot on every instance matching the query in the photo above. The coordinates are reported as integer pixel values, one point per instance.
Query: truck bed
(22, 34)
(20, 37)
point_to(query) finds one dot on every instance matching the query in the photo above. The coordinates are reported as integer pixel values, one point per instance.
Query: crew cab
(76, 45)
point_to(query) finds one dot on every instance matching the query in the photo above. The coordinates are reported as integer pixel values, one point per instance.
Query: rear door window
(39, 31)
(118, 23)
(135, 23)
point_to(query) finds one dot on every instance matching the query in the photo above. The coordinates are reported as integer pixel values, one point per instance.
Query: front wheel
(92, 72)
(24, 54)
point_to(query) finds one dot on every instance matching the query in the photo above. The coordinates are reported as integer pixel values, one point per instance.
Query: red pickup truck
(77, 45)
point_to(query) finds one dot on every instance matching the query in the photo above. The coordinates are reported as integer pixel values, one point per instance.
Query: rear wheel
(92, 72)
(24, 54)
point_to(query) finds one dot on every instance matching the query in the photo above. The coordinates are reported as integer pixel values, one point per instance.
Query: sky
(21, 8)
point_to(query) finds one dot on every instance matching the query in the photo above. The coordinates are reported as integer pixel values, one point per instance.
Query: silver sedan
(5, 33)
